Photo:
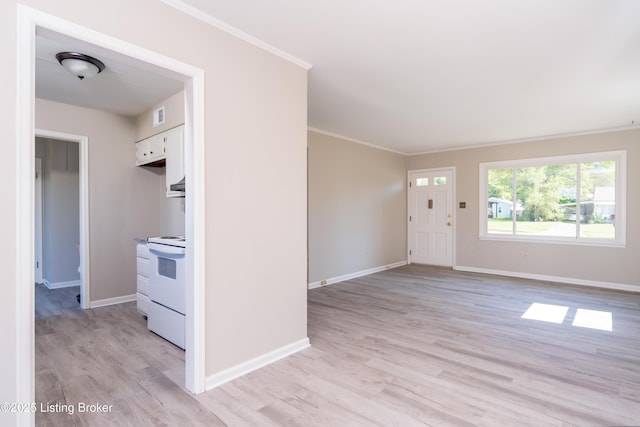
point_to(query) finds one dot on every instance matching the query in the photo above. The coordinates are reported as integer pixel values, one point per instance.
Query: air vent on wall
(158, 116)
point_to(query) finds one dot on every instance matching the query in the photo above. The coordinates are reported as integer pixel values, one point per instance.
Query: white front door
(431, 217)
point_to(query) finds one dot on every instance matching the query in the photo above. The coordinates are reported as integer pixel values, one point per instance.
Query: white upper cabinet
(164, 149)
(150, 150)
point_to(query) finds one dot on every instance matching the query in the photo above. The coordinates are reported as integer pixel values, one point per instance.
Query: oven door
(167, 276)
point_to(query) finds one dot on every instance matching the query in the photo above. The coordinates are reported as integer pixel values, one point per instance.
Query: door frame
(38, 223)
(454, 215)
(28, 19)
(83, 193)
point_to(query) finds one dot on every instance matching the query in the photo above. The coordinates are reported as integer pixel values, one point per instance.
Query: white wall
(606, 265)
(357, 207)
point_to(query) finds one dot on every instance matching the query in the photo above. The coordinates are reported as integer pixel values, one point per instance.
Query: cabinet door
(150, 150)
(156, 147)
(142, 152)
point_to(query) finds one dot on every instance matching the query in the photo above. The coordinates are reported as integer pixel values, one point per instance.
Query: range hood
(178, 186)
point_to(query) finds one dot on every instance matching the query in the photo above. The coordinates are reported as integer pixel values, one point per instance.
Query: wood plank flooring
(411, 346)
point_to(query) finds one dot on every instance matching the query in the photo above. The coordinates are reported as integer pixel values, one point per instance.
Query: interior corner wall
(357, 207)
(123, 199)
(571, 263)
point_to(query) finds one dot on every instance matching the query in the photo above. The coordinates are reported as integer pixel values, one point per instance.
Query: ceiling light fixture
(80, 65)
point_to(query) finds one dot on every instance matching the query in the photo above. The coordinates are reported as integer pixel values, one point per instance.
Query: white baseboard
(60, 285)
(112, 301)
(237, 371)
(559, 279)
(350, 276)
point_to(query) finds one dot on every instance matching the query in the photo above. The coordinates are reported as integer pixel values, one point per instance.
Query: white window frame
(620, 157)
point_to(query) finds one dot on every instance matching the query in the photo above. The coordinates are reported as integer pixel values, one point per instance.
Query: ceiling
(126, 86)
(411, 75)
(420, 75)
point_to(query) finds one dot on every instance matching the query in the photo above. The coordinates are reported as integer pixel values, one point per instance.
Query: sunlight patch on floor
(546, 312)
(601, 320)
(592, 319)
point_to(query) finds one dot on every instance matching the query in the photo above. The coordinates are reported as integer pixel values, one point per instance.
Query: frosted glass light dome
(80, 65)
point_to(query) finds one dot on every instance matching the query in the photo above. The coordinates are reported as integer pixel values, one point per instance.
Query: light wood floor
(410, 346)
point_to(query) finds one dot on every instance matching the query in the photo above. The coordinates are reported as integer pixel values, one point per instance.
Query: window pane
(422, 182)
(500, 206)
(571, 199)
(440, 180)
(598, 199)
(544, 198)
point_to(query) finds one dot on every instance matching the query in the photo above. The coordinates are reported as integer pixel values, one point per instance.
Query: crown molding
(230, 29)
(357, 141)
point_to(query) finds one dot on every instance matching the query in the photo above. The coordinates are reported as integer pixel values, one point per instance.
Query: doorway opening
(29, 21)
(62, 222)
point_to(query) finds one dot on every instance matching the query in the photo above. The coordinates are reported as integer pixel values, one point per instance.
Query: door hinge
(409, 217)
(409, 184)
(410, 252)
(36, 174)
(37, 264)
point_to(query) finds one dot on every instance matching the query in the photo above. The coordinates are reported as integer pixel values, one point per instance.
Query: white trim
(195, 220)
(357, 274)
(112, 301)
(230, 29)
(558, 279)
(357, 141)
(523, 140)
(60, 285)
(27, 20)
(39, 223)
(553, 240)
(244, 368)
(24, 206)
(83, 193)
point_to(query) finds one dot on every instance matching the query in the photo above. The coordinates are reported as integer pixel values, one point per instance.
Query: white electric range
(166, 316)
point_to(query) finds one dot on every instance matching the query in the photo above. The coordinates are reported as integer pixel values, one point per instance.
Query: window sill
(556, 241)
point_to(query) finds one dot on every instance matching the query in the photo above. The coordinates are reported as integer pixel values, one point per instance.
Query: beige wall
(172, 219)
(586, 263)
(174, 116)
(255, 178)
(61, 210)
(357, 207)
(124, 200)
